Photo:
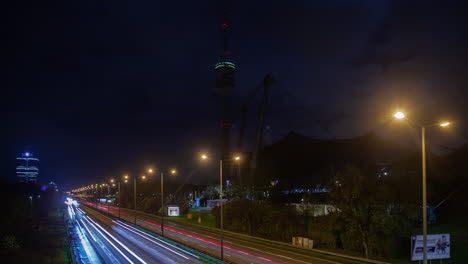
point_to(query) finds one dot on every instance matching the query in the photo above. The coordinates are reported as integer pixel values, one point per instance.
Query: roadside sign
(438, 247)
(173, 210)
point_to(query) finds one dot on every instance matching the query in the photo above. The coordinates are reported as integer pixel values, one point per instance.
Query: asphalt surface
(235, 250)
(108, 241)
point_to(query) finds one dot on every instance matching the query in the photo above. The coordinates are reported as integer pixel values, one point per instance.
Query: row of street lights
(126, 179)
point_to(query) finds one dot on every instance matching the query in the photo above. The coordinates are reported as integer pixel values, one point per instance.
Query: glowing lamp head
(173, 171)
(143, 177)
(126, 176)
(237, 158)
(27, 154)
(204, 157)
(112, 180)
(444, 124)
(150, 170)
(126, 181)
(399, 115)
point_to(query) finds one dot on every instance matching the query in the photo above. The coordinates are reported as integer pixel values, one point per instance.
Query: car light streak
(89, 231)
(90, 253)
(129, 228)
(70, 211)
(116, 240)
(216, 243)
(111, 209)
(112, 244)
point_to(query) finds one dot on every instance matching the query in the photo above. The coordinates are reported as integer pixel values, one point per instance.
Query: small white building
(313, 209)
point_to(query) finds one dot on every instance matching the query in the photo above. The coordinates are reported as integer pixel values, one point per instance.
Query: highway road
(104, 240)
(235, 250)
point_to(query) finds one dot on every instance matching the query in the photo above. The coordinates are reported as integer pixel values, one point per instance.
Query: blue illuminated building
(27, 168)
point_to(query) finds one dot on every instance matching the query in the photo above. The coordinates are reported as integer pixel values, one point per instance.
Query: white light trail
(86, 245)
(89, 231)
(112, 244)
(116, 240)
(152, 240)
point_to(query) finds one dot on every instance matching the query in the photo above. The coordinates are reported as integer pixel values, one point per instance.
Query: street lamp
(134, 191)
(118, 190)
(101, 194)
(400, 115)
(172, 172)
(235, 158)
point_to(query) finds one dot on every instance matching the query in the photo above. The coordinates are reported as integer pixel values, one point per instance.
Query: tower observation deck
(225, 68)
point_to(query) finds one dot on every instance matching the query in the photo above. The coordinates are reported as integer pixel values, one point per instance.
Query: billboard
(438, 247)
(173, 210)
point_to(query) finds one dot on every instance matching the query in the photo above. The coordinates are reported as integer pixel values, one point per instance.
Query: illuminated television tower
(224, 84)
(26, 169)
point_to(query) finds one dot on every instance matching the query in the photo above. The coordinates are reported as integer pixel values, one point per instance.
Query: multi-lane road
(105, 240)
(235, 250)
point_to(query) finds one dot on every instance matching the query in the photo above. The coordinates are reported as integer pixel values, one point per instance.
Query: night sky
(96, 88)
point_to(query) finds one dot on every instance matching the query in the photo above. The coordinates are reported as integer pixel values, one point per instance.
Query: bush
(9, 242)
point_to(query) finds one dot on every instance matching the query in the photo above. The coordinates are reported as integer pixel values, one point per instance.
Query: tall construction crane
(265, 86)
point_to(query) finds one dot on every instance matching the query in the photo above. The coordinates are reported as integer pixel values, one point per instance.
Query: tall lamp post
(400, 115)
(100, 196)
(173, 172)
(221, 225)
(134, 192)
(107, 197)
(118, 188)
(113, 185)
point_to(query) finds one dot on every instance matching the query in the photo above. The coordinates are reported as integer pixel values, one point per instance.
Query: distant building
(27, 168)
(53, 186)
